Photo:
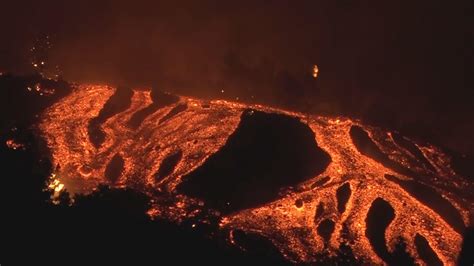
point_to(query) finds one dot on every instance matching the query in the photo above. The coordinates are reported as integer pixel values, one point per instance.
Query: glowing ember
(152, 146)
(14, 145)
(315, 71)
(41, 90)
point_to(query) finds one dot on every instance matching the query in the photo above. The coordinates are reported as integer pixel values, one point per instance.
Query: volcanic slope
(307, 184)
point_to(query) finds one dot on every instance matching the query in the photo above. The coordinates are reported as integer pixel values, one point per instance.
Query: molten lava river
(308, 184)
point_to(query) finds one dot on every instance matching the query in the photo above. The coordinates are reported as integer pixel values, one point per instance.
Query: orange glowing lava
(189, 131)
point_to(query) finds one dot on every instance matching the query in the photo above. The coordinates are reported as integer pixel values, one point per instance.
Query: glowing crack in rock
(368, 169)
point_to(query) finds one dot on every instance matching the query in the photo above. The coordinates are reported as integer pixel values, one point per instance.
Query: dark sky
(409, 62)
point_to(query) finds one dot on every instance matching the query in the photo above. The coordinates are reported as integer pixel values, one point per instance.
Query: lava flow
(306, 183)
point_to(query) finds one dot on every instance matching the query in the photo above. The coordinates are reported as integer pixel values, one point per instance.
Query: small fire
(12, 144)
(56, 186)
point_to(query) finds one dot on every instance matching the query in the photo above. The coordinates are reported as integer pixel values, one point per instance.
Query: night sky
(403, 64)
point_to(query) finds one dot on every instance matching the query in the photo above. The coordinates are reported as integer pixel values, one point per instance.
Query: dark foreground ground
(110, 224)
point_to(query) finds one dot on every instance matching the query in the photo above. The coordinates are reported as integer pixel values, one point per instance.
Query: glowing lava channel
(191, 130)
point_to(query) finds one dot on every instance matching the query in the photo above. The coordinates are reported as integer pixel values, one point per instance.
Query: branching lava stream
(365, 173)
